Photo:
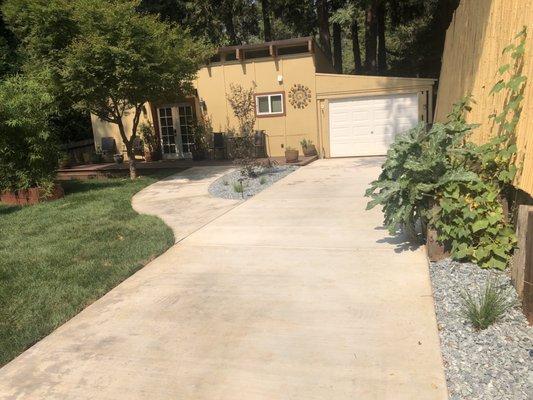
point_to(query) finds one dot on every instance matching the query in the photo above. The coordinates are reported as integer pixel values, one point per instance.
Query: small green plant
(488, 305)
(262, 181)
(306, 143)
(149, 138)
(238, 187)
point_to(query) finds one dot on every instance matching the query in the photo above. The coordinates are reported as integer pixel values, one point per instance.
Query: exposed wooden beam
(310, 46)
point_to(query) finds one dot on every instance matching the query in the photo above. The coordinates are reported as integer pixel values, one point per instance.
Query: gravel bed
(495, 363)
(224, 186)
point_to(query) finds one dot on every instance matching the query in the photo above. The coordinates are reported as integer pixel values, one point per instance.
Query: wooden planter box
(25, 197)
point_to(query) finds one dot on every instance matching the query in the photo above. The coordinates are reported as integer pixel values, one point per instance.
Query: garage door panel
(368, 126)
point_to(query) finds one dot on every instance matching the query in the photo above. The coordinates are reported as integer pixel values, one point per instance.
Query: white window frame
(269, 96)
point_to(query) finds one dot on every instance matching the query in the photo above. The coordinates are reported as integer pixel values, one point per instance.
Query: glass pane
(262, 105)
(275, 102)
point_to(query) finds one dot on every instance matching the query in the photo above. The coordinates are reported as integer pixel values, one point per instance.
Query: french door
(176, 124)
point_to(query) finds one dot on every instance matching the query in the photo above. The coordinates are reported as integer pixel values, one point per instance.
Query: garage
(366, 126)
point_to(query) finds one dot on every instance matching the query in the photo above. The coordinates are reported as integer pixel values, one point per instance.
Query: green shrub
(417, 165)
(262, 181)
(487, 306)
(442, 179)
(29, 153)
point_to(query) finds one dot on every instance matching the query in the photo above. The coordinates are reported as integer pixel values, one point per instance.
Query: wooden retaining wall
(479, 31)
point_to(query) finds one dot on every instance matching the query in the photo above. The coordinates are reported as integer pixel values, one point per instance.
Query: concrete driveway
(297, 293)
(182, 200)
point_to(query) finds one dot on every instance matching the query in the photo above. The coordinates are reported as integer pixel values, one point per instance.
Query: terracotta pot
(291, 156)
(309, 151)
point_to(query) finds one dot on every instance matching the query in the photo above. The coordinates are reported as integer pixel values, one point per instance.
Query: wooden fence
(478, 33)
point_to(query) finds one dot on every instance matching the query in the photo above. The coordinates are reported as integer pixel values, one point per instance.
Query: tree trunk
(133, 166)
(265, 6)
(227, 8)
(354, 28)
(371, 38)
(337, 48)
(382, 51)
(323, 27)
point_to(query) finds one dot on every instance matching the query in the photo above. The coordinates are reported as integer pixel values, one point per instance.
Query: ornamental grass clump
(487, 306)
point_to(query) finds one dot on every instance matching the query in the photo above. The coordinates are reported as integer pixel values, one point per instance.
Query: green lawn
(56, 258)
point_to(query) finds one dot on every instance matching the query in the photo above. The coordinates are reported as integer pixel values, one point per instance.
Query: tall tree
(371, 37)
(265, 10)
(382, 50)
(113, 71)
(356, 48)
(337, 47)
(337, 36)
(324, 35)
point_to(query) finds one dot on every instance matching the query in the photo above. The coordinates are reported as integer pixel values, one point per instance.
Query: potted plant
(308, 148)
(291, 155)
(150, 141)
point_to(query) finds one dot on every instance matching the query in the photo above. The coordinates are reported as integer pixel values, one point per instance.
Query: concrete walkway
(297, 293)
(182, 200)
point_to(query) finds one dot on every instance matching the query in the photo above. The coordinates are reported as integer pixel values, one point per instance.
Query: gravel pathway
(495, 363)
(225, 186)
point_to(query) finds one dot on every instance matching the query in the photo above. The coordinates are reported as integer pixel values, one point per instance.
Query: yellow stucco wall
(105, 129)
(213, 85)
(478, 33)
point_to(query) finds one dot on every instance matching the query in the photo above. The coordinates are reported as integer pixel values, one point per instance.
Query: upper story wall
(478, 33)
(213, 84)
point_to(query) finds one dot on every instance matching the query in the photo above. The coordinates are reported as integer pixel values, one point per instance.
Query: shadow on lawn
(5, 210)
(80, 186)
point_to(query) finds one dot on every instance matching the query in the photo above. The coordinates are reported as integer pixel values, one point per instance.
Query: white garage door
(366, 126)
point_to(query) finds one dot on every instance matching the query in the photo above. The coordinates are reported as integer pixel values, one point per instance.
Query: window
(269, 104)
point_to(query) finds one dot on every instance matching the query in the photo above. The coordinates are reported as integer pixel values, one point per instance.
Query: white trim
(269, 96)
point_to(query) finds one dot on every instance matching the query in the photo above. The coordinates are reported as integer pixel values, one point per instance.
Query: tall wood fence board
(478, 33)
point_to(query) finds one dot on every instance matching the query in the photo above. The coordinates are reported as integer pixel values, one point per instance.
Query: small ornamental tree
(121, 59)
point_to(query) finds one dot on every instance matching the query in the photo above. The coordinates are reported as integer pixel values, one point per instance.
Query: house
(298, 96)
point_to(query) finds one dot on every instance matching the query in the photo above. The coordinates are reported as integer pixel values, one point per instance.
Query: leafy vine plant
(441, 179)
(470, 216)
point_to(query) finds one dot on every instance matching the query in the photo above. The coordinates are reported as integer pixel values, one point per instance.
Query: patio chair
(109, 148)
(219, 144)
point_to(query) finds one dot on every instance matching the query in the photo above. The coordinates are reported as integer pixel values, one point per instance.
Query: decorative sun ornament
(299, 96)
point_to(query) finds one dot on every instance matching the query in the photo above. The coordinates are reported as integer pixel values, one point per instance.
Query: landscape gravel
(495, 363)
(224, 186)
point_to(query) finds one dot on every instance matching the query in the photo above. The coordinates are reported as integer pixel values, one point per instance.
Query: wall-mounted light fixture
(280, 79)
